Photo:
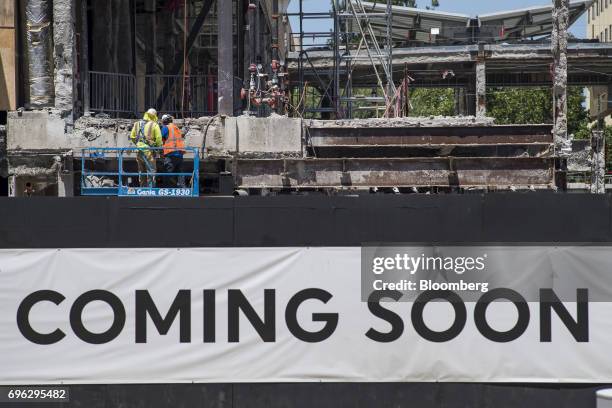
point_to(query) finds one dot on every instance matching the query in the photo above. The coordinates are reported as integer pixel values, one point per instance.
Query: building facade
(599, 29)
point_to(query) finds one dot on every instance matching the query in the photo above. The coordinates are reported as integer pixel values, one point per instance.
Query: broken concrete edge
(35, 164)
(415, 121)
(41, 130)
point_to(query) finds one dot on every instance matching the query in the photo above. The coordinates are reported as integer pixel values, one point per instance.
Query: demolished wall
(47, 131)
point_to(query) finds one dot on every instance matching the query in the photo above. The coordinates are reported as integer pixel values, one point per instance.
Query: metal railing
(125, 183)
(112, 93)
(193, 96)
(120, 95)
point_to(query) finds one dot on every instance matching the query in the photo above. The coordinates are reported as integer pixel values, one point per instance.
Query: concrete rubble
(427, 121)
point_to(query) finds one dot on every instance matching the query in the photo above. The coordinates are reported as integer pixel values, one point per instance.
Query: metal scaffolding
(352, 38)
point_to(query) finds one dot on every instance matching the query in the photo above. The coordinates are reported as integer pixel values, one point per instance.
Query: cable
(210, 121)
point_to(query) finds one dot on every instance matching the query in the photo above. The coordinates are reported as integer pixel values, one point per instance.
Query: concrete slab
(275, 134)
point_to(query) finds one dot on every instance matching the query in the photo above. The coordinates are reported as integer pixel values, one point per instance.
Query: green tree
(432, 101)
(534, 105)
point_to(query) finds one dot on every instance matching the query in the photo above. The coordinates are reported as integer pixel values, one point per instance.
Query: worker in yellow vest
(174, 148)
(145, 135)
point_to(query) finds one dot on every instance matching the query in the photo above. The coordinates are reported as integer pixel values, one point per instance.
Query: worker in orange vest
(174, 148)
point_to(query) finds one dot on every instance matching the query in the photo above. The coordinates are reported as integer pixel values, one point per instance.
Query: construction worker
(145, 135)
(174, 148)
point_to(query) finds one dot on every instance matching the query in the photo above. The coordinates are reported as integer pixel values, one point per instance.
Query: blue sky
(471, 7)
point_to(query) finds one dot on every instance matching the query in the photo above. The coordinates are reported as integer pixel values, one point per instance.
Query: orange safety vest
(175, 141)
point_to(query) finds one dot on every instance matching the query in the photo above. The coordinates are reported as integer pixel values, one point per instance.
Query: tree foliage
(432, 101)
(534, 105)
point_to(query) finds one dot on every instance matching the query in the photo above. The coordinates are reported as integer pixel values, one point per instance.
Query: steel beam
(430, 136)
(409, 172)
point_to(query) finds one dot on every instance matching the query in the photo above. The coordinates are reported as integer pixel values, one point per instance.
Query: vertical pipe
(389, 42)
(85, 57)
(251, 17)
(258, 52)
(40, 53)
(300, 60)
(336, 88)
(226, 58)
(275, 30)
(275, 65)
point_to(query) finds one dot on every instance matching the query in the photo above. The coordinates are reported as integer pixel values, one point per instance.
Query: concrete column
(65, 184)
(226, 57)
(12, 187)
(559, 50)
(65, 178)
(598, 167)
(40, 53)
(481, 88)
(64, 19)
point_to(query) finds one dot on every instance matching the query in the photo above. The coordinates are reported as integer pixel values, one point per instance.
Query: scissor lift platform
(117, 183)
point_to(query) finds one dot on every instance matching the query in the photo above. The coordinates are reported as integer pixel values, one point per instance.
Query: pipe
(257, 33)
(275, 65)
(275, 30)
(251, 19)
(38, 15)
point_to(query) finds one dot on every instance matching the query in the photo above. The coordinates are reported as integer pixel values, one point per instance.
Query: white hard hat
(152, 112)
(166, 118)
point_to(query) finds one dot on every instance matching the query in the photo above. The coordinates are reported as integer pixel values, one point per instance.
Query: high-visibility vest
(175, 141)
(144, 133)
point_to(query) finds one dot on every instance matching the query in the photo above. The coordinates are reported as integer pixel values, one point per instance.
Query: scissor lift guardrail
(108, 183)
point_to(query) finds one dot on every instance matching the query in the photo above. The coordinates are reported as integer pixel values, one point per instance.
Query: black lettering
(23, 317)
(237, 302)
(209, 316)
(396, 322)
(76, 312)
(330, 319)
(419, 324)
(481, 320)
(579, 328)
(180, 305)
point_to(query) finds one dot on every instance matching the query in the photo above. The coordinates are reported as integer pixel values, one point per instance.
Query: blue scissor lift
(108, 183)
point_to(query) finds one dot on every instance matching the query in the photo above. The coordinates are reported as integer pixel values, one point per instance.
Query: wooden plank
(7, 55)
(7, 13)
(7, 69)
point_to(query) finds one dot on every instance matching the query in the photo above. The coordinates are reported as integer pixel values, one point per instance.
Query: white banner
(184, 315)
